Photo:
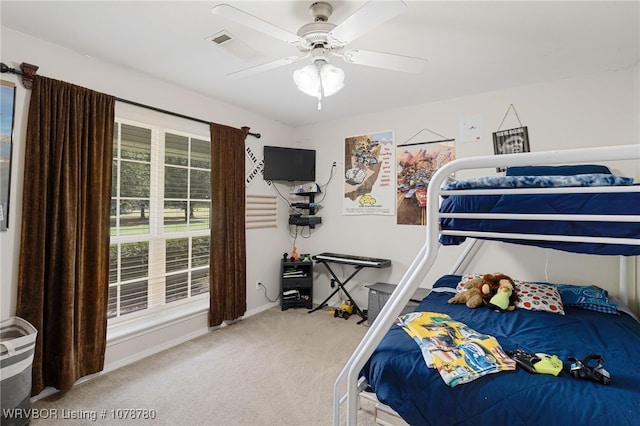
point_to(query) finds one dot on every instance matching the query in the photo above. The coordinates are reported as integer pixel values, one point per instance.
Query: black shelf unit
(310, 220)
(296, 284)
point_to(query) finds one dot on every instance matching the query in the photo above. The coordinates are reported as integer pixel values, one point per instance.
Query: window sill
(130, 329)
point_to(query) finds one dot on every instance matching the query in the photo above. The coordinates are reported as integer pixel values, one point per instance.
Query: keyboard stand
(340, 286)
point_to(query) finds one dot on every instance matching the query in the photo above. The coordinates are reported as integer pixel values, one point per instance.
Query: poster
(417, 163)
(510, 141)
(368, 174)
(7, 111)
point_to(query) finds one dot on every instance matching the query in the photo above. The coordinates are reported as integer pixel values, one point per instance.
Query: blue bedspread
(401, 379)
(586, 203)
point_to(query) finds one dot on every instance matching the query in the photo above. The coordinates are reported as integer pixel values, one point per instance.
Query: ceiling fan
(320, 40)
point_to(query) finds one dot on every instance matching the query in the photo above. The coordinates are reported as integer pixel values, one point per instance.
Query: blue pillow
(587, 297)
(557, 170)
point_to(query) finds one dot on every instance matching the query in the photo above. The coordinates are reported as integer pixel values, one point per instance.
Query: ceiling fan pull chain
(320, 91)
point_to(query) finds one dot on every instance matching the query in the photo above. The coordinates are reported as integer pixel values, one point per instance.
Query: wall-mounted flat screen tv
(292, 164)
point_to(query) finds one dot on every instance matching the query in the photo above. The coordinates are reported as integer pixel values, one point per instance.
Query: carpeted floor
(274, 368)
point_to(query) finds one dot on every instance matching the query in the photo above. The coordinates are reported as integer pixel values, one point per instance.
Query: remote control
(524, 359)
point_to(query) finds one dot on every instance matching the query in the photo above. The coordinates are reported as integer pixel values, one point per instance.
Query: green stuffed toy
(504, 299)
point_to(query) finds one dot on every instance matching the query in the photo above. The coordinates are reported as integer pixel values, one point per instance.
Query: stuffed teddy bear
(480, 290)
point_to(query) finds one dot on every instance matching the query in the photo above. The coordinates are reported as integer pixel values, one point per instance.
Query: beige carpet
(274, 368)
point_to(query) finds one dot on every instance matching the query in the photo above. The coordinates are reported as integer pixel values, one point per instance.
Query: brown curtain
(63, 272)
(227, 267)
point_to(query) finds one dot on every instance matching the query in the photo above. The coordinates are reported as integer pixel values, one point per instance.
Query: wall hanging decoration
(256, 167)
(7, 112)
(510, 141)
(368, 174)
(261, 211)
(416, 164)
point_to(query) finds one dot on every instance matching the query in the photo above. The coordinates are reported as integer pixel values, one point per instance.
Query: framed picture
(510, 141)
(7, 112)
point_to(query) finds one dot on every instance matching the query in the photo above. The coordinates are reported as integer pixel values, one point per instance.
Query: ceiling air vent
(235, 46)
(221, 38)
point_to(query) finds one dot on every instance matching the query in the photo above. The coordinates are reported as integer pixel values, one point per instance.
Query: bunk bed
(574, 217)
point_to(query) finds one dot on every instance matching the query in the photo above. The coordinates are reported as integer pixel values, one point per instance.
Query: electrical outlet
(258, 284)
(334, 164)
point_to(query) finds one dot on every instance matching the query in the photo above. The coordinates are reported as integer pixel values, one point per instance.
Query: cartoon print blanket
(459, 353)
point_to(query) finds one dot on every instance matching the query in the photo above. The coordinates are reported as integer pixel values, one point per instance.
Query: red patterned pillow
(538, 297)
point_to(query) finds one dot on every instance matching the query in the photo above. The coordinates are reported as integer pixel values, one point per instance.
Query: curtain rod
(175, 114)
(28, 73)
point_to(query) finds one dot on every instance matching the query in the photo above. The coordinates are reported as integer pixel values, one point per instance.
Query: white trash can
(17, 346)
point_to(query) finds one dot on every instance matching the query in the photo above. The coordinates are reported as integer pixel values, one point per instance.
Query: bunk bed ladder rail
(427, 255)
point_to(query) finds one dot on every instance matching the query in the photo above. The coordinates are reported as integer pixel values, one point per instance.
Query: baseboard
(260, 309)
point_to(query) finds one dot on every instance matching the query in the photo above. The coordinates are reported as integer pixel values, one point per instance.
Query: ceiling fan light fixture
(307, 80)
(332, 79)
(319, 80)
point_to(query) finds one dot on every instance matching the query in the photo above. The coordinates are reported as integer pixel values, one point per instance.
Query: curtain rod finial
(27, 71)
(246, 131)
(28, 74)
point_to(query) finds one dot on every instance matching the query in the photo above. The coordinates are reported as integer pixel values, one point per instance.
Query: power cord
(265, 293)
(294, 234)
(546, 267)
(286, 200)
(324, 187)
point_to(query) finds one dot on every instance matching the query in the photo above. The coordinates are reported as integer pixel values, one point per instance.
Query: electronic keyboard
(352, 260)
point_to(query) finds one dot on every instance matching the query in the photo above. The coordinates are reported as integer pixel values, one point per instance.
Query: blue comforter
(400, 378)
(586, 203)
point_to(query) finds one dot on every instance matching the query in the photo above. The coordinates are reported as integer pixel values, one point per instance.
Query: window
(160, 219)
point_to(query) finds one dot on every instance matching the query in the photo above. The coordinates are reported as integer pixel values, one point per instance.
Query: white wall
(583, 112)
(590, 111)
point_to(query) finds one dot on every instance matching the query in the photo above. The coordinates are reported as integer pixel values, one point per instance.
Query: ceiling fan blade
(369, 16)
(388, 61)
(265, 67)
(250, 21)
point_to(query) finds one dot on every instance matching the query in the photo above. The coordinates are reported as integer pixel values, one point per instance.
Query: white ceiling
(471, 47)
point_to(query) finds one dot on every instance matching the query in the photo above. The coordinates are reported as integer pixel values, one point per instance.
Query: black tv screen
(291, 164)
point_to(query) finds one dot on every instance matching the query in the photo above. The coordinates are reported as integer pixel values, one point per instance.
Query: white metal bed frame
(426, 257)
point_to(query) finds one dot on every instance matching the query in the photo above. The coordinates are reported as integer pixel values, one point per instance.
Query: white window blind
(160, 219)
